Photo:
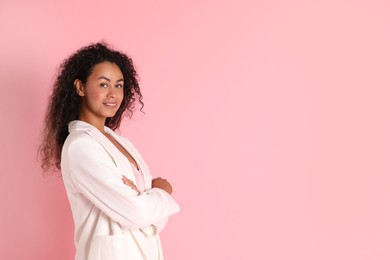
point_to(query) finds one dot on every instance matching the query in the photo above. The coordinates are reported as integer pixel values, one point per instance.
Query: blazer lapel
(111, 149)
(134, 153)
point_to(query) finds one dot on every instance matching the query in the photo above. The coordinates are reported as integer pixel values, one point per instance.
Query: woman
(118, 209)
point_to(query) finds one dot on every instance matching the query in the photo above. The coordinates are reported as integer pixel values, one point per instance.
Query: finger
(124, 177)
(128, 182)
(131, 185)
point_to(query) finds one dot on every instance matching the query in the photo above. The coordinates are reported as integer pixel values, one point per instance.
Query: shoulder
(80, 135)
(80, 142)
(79, 139)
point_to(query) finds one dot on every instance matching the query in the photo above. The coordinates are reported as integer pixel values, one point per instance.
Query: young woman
(118, 209)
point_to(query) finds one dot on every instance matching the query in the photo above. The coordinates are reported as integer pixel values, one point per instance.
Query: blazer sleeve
(95, 175)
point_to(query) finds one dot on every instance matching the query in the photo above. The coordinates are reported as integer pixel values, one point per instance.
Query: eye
(119, 86)
(104, 85)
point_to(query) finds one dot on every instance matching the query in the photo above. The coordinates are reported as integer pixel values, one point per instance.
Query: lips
(110, 104)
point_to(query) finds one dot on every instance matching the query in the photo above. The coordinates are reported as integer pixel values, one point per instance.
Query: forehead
(107, 69)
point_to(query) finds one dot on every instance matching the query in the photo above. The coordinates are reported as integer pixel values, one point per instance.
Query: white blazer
(112, 222)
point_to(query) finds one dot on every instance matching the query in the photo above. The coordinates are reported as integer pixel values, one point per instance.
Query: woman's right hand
(162, 184)
(130, 184)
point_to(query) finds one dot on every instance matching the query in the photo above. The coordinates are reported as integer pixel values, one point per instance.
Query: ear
(79, 87)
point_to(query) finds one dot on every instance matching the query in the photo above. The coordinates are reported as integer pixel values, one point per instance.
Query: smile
(112, 105)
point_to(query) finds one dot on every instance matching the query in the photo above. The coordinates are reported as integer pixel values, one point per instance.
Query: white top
(112, 222)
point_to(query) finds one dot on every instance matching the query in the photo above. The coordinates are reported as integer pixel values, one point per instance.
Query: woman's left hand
(130, 184)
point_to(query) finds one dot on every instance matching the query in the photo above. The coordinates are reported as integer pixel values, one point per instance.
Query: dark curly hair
(65, 104)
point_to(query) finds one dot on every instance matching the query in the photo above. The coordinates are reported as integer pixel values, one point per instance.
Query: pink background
(270, 119)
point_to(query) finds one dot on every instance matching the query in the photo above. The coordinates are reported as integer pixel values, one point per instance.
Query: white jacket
(112, 222)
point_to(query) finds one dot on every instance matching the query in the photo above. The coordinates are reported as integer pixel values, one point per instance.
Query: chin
(110, 115)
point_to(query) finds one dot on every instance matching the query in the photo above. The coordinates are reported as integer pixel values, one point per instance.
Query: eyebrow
(103, 77)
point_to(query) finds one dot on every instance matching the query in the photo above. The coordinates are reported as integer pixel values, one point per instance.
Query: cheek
(97, 95)
(94, 97)
(121, 95)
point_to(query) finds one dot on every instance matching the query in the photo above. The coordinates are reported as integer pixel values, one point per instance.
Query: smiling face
(102, 93)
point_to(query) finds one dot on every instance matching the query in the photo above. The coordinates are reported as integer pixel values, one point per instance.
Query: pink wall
(270, 118)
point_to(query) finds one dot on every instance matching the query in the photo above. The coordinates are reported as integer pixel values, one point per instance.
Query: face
(102, 93)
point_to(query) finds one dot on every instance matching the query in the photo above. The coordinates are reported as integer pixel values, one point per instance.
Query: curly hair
(65, 104)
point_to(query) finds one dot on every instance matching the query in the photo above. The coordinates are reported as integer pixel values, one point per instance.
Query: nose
(111, 92)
